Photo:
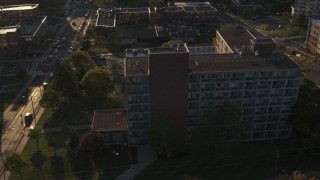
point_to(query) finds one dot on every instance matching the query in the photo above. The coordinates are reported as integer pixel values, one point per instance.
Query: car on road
(63, 39)
(28, 119)
(56, 51)
(80, 27)
(70, 50)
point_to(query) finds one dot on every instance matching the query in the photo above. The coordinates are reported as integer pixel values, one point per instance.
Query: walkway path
(146, 156)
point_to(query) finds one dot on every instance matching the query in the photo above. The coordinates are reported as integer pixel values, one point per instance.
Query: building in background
(29, 26)
(313, 36)
(31, 30)
(187, 83)
(12, 14)
(9, 38)
(310, 8)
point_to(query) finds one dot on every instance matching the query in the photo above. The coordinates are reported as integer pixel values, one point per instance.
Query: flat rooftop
(21, 7)
(8, 29)
(233, 62)
(106, 18)
(236, 37)
(205, 62)
(30, 27)
(110, 120)
(178, 48)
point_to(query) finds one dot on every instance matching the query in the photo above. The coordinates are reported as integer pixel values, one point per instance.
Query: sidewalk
(8, 115)
(146, 156)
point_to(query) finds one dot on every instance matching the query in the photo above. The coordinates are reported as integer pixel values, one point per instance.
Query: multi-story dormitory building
(310, 8)
(187, 83)
(313, 36)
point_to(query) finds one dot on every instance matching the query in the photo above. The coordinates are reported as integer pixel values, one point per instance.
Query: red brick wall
(169, 88)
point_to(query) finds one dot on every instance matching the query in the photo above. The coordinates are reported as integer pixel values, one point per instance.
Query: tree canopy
(34, 134)
(306, 113)
(230, 26)
(97, 84)
(64, 81)
(81, 63)
(91, 146)
(163, 136)
(16, 163)
(224, 127)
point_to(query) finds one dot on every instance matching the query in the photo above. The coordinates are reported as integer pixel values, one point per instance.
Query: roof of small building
(30, 27)
(20, 7)
(110, 120)
(236, 37)
(8, 29)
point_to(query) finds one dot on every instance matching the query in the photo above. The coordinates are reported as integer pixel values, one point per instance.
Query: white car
(70, 50)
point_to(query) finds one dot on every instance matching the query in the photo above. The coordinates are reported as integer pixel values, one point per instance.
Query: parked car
(56, 51)
(70, 50)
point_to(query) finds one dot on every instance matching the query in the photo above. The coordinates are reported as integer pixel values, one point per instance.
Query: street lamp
(34, 114)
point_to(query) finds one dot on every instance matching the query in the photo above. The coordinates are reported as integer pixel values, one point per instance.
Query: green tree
(258, 10)
(16, 163)
(222, 129)
(230, 26)
(156, 3)
(300, 20)
(91, 146)
(34, 134)
(247, 13)
(265, 27)
(285, 19)
(280, 46)
(73, 142)
(64, 81)
(81, 63)
(163, 135)
(97, 84)
(56, 141)
(172, 42)
(50, 98)
(306, 113)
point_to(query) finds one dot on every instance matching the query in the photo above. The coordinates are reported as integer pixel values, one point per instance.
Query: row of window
(244, 85)
(241, 76)
(248, 94)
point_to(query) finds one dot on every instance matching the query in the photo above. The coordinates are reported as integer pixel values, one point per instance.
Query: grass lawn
(295, 31)
(255, 160)
(97, 50)
(43, 167)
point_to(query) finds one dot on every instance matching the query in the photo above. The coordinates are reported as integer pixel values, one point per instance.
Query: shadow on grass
(38, 159)
(83, 169)
(57, 166)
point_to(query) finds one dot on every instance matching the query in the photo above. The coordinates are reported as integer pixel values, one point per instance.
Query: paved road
(14, 117)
